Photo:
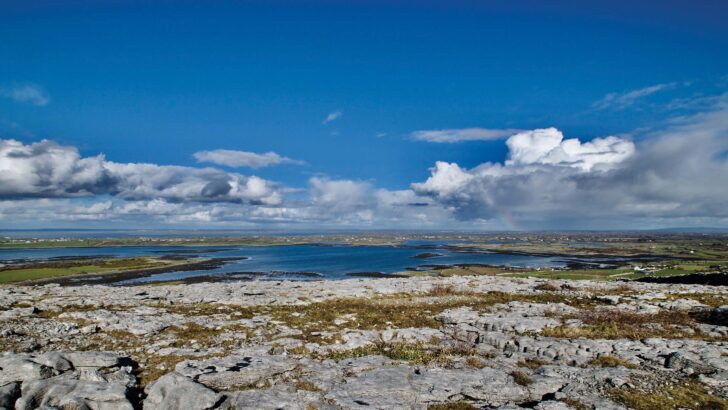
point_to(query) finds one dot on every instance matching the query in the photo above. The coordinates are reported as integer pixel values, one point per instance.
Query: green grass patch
(37, 271)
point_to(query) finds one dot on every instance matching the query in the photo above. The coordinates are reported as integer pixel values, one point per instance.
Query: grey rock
(8, 394)
(237, 372)
(122, 375)
(269, 399)
(174, 391)
(552, 405)
(719, 315)
(611, 299)
(93, 359)
(681, 361)
(65, 393)
(18, 368)
(56, 360)
(17, 313)
(382, 388)
(406, 387)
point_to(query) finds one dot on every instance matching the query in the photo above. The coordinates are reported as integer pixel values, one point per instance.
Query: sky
(484, 115)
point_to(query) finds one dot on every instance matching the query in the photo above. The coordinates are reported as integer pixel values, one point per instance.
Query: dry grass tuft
(610, 361)
(415, 353)
(522, 378)
(306, 385)
(475, 362)
(547, 286)
(575, 404)
(689, 395)
(442, 290)
(616, 324)
(532, 363)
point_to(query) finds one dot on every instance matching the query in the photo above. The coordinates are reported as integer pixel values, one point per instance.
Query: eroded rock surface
(409, 343)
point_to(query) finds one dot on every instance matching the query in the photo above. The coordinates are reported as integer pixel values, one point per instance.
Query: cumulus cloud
(333, 116)
(547, 182)
(548, 147)
(26, 93)
(347, 202)
(340, 195)
(670, 177)
(45, 183)
(463, 134)
(47, 169)
(620, 101)
(232, 158)
(327, 206)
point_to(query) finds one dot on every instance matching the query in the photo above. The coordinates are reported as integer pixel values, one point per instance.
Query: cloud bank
(548, 181)
(238, 159)
(46, 170)
(672, 177)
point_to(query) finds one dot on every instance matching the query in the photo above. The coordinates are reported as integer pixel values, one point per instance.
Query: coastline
(117, 276)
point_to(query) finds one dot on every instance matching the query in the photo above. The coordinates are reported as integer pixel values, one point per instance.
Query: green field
(38, 271)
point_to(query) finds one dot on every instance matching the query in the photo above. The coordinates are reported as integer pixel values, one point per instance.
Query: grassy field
(672, 268)
(576, 274)
(37, 271)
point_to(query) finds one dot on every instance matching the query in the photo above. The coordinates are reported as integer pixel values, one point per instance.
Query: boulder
(269, 399)
(404, 387)
(682, 362)
(236, 372)
(66, 393)
(93, 359)
(18, 368)
(175, 391)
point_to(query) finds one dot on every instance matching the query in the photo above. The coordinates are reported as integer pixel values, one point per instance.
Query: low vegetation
(687, 395)
(532, 363)
(414, 353)
(618, 324)
(396, 311)
(460, 405)
(522, 378)
(47, 270)
(610, 361)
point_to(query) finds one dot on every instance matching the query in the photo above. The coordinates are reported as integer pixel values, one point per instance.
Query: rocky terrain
(411, 343)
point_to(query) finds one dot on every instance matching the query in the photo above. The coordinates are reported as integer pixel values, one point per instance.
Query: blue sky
(156, 82)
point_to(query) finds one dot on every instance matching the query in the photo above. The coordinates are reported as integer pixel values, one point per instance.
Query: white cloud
(547, 146)
(27, 93)
(333, 116)
(446, 179)
(620, 101)
(666, 178)
(463, 134)
(233, 158)
(548, 182)
(46, 169)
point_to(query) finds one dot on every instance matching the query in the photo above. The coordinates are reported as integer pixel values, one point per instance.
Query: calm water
(286, 262)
